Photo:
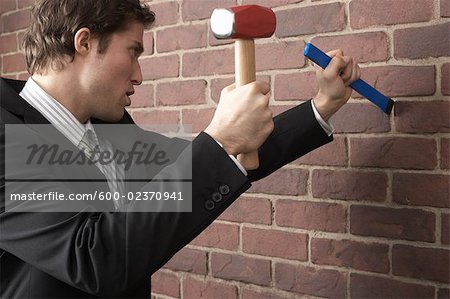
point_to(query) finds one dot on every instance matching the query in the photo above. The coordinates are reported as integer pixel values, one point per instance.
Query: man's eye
(135, 52)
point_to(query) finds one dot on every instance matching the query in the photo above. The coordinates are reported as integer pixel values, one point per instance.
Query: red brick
(16, 20)
(310, 281)
(197, 289)
(166, 13)
(176, 93)
(371, 257)
(331, 154)
(197, 119)
(296, 86)
(422, 117)
(421, 263)
(166, 284)
(422, 42)
(160, 67)
(148, 43)
(366, 286)
(158, 117)
(270, 3)
(14, 63)
(393, 152)
(363, 47)
(181, 37)
(208, 63)
(23, 76)
(252, 294)
(360, 118)
(421, 189)
(396, 81)
(213, 41)
(445, 153)
(405, 224)
(279, 55)
(278, 109)
(8, 43)
(9, 76)
(189, 260)
(218, 84)
(349, 185)
(143, 96)
(7, 5)
(308, 20)
(240, 268)
(202, 9)
(275, 243)
(25, 3)
(445, 228)
(249, 210)
(445, 8)
(365, 13)
(219, 235)
(445, 78)
(283, 181)
(311, 215)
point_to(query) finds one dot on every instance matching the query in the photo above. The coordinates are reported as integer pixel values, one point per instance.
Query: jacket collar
(11, 101)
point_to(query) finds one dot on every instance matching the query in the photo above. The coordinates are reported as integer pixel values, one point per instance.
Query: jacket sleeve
(111, 254)
(296, 133)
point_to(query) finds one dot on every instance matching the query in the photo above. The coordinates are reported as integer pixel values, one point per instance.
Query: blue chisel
(364, 89)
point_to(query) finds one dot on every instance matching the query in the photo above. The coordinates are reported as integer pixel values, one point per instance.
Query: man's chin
(111, 117)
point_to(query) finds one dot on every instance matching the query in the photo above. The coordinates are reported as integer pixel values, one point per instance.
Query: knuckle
(267, 115)
(254, 87)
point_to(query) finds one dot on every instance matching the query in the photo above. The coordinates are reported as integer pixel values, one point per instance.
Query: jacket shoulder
(6, 117)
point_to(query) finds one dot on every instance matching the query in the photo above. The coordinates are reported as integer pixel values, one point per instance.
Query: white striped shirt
(66, 123)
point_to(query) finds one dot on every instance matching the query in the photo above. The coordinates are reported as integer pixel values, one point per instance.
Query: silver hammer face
(245, 22)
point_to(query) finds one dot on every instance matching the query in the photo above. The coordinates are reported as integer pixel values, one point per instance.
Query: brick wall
(365, 216)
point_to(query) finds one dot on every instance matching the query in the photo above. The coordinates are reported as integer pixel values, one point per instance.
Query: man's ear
(83, 41)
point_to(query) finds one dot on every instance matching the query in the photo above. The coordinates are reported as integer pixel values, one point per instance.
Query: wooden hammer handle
(245, 73)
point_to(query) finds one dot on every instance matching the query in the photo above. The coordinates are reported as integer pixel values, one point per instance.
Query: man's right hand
(242, 120)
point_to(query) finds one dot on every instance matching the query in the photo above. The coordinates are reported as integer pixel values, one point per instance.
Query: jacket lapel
(11, 101)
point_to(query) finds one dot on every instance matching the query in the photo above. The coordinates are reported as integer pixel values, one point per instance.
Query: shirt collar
(58, 115)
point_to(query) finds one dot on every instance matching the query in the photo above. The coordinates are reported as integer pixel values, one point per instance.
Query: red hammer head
(246, 22)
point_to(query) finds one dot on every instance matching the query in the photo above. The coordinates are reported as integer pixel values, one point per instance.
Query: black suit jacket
(99, 254)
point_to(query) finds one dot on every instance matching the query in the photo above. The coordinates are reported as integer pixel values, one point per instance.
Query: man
(83, 57)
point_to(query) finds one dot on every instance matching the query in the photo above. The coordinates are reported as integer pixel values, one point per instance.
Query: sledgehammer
(244, 23)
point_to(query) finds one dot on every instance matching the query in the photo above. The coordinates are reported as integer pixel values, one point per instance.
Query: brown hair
(54, 23)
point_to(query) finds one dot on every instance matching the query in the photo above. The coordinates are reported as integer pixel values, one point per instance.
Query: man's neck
(62, 88)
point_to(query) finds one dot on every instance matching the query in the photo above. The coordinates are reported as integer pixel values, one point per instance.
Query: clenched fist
(243, 120)
(334, 83)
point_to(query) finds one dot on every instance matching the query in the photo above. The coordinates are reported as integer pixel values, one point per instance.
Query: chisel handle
(364, 89)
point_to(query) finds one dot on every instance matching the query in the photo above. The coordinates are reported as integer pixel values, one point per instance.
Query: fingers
(343, 66)
(261, 86)
(255, 87)
(335, 67)
(356, 74)
(229, 88)
(347, 71)
(337, 52)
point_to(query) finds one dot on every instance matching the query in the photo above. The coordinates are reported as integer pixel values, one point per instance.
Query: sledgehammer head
(245, 22)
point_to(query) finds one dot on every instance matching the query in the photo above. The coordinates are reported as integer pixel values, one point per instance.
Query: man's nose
(136, 78)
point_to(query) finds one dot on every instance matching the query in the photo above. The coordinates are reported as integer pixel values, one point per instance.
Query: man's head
(85, 53)
(49, 41)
